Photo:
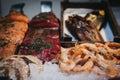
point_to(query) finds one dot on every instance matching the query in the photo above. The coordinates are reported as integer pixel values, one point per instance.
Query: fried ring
(66, 54)
(106, 67)
(84, 57)
(90, 47)
(85, 67)
(65, 62)
(103, 51)
(101, 48)
(113, 48)
(66, 66)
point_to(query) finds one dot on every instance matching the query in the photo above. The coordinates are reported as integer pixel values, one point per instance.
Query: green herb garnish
(40, 44)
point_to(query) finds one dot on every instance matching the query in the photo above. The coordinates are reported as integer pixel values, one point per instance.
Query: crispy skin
(15, 16)
(13, 28)
(11, 35)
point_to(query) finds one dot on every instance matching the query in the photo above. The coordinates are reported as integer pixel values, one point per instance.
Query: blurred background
(33, 7)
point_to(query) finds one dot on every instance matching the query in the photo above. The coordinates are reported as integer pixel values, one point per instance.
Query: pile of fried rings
(104, 57)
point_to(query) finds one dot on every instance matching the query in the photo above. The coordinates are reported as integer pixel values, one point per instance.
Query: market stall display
(68, 49)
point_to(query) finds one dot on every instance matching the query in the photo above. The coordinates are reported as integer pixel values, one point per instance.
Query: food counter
(84, 44)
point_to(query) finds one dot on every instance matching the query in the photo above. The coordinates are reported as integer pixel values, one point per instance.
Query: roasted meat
(82, 29)
(42, 39)
(12, 31)
(43, 43)
(15, 16)
(46, 19)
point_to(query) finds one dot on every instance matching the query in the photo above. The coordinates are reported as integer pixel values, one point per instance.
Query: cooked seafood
(87, 56)
(17, 67)
(105, 66)
(87, 66)
(82, 29)
(113, 48)
(67, 66)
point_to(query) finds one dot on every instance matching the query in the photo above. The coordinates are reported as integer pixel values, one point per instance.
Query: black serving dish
(114, 6)
(110, 28)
